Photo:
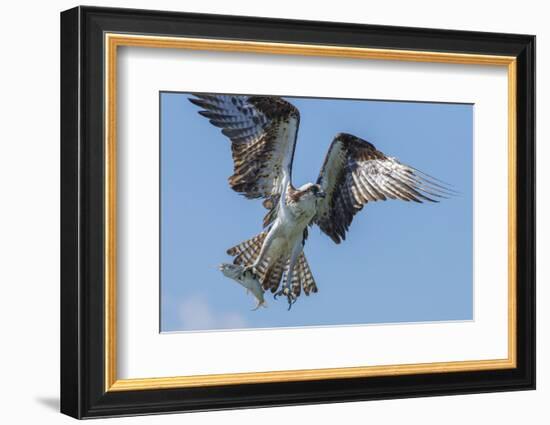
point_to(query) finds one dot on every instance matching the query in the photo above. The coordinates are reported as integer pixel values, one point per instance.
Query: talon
(284, 291)
(290, 296)
(291, 300)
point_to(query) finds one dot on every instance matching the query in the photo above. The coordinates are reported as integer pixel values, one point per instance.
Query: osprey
(263, 132)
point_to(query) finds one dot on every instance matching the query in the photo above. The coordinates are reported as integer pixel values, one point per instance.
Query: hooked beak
(321, 194)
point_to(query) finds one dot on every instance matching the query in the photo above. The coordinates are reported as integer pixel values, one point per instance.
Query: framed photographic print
(261, 212)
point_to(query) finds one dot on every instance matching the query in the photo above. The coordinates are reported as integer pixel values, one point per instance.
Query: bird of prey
(263, 132)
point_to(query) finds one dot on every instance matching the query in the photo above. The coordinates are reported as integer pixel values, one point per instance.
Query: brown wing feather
(355, 173)
(262, 152)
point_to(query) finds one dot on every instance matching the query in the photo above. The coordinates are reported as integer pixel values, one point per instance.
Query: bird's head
(310, 191)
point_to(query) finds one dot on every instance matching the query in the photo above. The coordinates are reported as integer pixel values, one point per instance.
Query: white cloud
(196, 314)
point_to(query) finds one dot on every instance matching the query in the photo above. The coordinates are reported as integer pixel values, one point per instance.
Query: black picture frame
(83, 392)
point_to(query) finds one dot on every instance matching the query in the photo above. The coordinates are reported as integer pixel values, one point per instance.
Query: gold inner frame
(113, 41)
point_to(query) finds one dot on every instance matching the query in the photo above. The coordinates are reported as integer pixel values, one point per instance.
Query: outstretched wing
(262, 130)
(355, 172)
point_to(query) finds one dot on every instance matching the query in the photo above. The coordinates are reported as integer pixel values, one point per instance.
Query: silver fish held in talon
(246, 279)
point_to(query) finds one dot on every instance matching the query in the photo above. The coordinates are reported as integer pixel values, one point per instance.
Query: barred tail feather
(271, 271)
(273, 276)
(302, 278)
(306, 277)
(296, 284)
(246, 252)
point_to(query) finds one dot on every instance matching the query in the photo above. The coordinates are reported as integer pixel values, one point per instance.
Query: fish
(246, 280)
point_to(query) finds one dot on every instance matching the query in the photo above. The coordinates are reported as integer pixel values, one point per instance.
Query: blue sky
(401, 262)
